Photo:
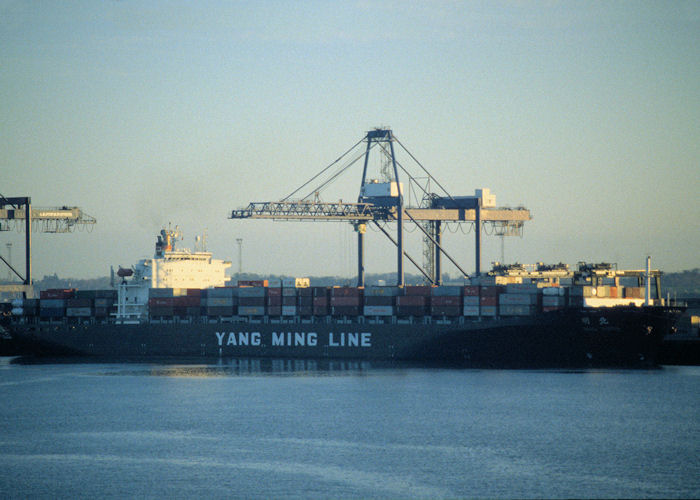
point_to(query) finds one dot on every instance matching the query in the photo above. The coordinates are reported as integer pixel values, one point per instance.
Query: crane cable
(322, 171)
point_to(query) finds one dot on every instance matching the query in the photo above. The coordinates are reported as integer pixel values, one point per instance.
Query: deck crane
(18, 213)
(383, 201)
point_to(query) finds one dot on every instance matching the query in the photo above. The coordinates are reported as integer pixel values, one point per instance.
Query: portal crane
(384, 202)
(18, 213)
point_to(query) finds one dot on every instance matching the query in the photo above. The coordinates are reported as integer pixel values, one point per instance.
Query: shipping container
(346, 301)
(57, 293)
(305, 310)
(52, 303)
(160, 311)
(517, 299)
(470, 291)
(445, 310)
(487, 310)
(220, 310)
(345, 310)
(251, 301)
(289, 310)
(252, 291)
(489, 290)
(411, 310)
(471, 310)
(378, 311)
(289, 301)
(446, 291)
(345, 291)
(420, 290)
(251, 310)
(321, 310)
(222, 291)
(553, 301)
(218, 302)
(376, 291)
(471, 300)
(446, 300)
(274, 292)
(634, 292)
(516, 310)
(521, 288)
(385, 300)
(305, 301)
(412, 300)
(321, 302)
(274, 310)
(295, 282)
(274, 300)
(488, 300)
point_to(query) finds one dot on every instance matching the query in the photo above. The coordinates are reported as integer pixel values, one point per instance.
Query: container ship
(177, 305)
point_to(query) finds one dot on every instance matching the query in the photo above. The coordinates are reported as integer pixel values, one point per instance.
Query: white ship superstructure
(169, 268)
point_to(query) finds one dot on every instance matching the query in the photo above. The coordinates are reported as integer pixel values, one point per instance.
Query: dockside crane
(382, 201)
(17, 213)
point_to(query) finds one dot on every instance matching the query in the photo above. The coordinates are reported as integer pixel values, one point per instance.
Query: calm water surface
(307, 430)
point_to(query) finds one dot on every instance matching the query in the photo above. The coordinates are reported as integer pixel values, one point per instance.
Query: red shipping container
(321, 301)
(379, 300)
(470, 291)
(194, 292)
(346, 301)
(489, 290)
(412, 300)
(446, 300)
(488, 300)
(420, 290)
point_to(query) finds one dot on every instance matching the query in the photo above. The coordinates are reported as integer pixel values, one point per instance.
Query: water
(307, 430)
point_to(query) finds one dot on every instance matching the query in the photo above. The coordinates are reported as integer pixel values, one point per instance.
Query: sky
(145, 113)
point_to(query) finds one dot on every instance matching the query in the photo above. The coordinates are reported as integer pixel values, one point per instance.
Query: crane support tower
(18, 213)
(383, 201)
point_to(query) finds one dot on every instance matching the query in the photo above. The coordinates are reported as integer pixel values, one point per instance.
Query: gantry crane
(382, 200)
(18, 213)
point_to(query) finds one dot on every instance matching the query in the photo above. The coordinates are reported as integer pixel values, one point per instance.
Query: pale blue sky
(144, 113)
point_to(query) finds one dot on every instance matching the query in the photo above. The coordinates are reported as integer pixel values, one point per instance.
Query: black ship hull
(573, 337)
